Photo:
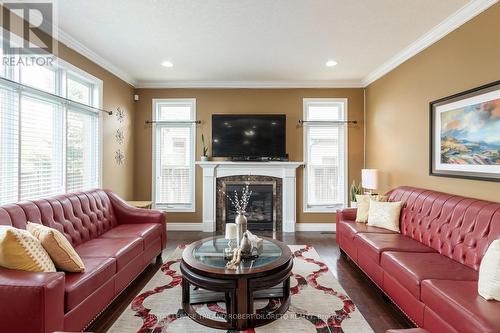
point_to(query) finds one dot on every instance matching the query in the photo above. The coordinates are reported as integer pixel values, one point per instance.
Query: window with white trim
(325, 154)
(48, 146)
(174, 154)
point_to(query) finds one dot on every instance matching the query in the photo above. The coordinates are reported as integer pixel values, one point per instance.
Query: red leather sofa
(115, 241)
(430, 270)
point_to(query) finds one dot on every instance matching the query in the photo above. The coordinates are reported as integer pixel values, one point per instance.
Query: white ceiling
(256, 42)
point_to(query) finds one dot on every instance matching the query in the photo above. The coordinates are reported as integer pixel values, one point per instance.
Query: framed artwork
(465, 134)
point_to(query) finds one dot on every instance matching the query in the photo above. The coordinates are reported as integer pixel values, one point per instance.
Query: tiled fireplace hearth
(275, 202)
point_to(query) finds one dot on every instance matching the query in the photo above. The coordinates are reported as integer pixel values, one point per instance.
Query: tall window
(174, 154)
(325, 154)
(48, 146)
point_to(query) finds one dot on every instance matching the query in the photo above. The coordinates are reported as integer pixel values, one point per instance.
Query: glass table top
(211, 253)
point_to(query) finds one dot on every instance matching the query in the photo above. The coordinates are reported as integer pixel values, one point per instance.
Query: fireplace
(264, 207)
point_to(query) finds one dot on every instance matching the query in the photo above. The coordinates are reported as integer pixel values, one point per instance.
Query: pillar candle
(230, 231)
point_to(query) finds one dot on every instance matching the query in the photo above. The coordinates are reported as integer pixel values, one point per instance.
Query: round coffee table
(205, 279)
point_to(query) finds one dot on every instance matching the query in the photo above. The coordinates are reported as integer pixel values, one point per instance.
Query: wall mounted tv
(249, 136)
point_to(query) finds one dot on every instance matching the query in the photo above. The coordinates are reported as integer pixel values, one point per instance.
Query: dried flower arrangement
(240, 202)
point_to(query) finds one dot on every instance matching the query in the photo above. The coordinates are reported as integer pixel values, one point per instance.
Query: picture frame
(464, 134)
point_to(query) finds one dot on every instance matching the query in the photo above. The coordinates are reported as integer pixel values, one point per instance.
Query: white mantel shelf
(209, 164)
(216, 169)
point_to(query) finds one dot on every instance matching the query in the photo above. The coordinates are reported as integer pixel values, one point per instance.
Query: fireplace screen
(261, 209)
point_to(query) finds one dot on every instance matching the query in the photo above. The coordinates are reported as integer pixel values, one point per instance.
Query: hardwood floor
(374, 306)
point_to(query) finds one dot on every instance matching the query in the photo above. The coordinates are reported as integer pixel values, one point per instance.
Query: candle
(230, 231)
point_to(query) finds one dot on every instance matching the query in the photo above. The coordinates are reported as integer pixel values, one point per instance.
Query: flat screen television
(249, 136)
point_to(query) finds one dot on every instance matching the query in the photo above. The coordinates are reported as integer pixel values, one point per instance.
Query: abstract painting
(465, 134)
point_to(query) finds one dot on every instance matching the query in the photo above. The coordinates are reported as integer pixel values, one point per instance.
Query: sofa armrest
(31, 302)
(347, 214)
(127, 214)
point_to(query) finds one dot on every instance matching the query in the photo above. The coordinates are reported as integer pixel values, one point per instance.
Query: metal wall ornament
(119, 157)
(120, 115)
(119, 136)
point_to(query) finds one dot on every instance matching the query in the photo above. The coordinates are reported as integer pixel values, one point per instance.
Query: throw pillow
(489, 273)
(58, 247)
(363, 201)
(20, 250)
(384, 215)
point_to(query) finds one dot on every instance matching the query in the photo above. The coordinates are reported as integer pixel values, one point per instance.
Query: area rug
(319, 304)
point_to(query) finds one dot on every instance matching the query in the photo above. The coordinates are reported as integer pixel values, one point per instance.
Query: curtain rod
(173, 122)
(63, 99)
(301, 122)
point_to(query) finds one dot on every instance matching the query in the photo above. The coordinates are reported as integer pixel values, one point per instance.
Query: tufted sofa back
(457, 227)
(79, 216)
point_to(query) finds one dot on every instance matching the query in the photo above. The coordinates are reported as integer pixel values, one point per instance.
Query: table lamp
(369, 180)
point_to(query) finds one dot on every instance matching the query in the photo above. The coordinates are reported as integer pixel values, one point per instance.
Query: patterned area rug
(319, 304)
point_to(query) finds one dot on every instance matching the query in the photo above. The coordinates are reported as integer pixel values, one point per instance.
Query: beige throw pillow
(489, 273)
(58, 247)
(384, 215)
(363, 201)
(20, 250)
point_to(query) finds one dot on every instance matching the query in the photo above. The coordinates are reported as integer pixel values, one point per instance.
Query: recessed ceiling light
(167, 63)
(331, 63)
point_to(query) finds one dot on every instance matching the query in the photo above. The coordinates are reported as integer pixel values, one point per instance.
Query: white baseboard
(315, 227)
(183, 226)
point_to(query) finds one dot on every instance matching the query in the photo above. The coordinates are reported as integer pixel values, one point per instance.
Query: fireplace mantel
(215, 169)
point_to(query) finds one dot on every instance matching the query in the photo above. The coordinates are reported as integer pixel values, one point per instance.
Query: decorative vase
(204, 158)
(241, 226)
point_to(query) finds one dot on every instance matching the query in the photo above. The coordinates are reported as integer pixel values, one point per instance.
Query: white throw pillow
(384, 215)
(489, 273)
(363, 201)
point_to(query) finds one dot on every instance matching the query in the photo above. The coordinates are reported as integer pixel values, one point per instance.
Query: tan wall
(397, 105)
(116, 93)
(214, 101)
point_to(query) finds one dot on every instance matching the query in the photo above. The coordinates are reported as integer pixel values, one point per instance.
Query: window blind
(82, 150)
(41, 161)
(9, 144)
(325, 154)
(47, 147)
(174, 154)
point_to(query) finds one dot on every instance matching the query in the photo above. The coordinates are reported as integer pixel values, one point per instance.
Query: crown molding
(457, 19)
(72, 43)
(248, 84)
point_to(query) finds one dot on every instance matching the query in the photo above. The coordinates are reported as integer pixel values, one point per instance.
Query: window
(48, 146)
(174, 154)
(325, 154)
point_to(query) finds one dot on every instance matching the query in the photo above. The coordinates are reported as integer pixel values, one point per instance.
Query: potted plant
(355, 190)
(204, 157)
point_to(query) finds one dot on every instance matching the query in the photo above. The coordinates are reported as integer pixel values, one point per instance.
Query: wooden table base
(239, 292)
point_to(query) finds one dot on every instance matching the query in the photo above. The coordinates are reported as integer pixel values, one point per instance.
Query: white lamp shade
(369, 179)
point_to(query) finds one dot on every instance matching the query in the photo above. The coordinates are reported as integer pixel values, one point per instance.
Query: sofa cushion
(410, 269)
(79, 286)
(350, 229)
(457, 227)
(461, 305)
(122, 249)
(149, 232)
(373, 245)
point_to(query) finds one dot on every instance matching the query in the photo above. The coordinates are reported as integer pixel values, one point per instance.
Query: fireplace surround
(284, 171)
(264, 208)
